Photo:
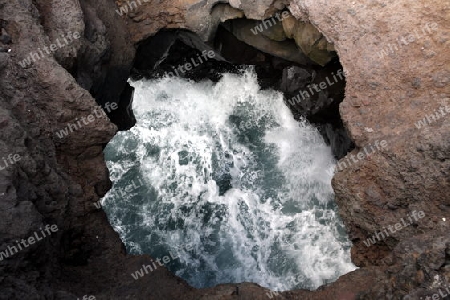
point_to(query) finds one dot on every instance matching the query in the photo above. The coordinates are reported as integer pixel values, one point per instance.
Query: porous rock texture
(58, 180)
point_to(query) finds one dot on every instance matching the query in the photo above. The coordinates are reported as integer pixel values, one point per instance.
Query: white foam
(265, 229)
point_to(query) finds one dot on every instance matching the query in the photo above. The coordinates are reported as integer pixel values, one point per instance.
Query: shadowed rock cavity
(104, 61)
(311, 91)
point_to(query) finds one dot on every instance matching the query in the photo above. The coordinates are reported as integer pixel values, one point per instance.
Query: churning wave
(225, 167)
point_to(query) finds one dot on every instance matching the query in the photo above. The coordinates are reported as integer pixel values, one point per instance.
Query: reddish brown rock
(58, 180)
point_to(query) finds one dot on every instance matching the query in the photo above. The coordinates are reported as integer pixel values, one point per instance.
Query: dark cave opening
(311, 91)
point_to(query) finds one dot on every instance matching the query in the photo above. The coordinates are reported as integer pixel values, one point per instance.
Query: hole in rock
(223, 179)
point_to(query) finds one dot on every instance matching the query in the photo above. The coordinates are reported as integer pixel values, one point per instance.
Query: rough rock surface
(58, 180)
(385, 97)
(203, 18)
(286, 49)
(290, 41)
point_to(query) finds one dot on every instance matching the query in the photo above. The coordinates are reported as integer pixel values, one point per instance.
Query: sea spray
(227, 168)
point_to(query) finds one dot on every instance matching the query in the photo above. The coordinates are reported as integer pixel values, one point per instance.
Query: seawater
(225, 167)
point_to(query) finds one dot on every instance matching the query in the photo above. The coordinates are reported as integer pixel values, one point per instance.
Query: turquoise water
(225, 168)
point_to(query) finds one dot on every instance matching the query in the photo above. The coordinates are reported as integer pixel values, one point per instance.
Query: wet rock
(294, 78)
(337, 137)
(123, 116)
